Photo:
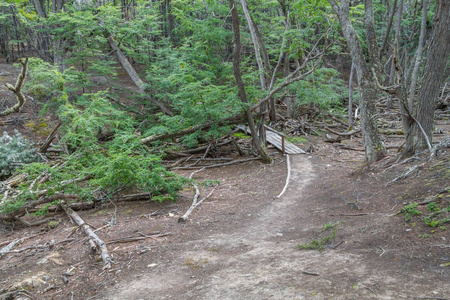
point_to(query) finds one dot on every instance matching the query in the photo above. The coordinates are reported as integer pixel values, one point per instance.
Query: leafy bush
(103, 149)
(323, 88)
(15, 151)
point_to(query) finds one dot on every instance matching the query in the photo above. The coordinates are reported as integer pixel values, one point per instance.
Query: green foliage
(15, 151)
(410, 210)
(319, 244)
(323, 88)
(241, 135)
(208, 182)
(433, 207)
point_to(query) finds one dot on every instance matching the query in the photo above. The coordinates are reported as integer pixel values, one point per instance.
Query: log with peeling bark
(93, 237)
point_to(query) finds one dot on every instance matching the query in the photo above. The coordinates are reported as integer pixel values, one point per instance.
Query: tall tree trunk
(259, 53)
(435, 64)
(373, 146)
(418, 60)
(259, 147)
(389, 25)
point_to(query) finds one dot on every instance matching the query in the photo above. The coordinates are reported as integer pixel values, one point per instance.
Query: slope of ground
(241, 243)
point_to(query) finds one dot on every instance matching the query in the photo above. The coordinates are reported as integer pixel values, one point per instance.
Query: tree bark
(350, 96)
(434, 68)
(418, 60)
(374, 148)
(260, 149)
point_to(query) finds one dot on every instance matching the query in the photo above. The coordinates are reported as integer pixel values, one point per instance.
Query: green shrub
(15, 151)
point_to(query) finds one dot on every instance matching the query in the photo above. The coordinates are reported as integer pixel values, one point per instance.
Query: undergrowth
(320, 244)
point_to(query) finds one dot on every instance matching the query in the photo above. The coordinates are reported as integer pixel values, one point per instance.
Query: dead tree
(17, 90)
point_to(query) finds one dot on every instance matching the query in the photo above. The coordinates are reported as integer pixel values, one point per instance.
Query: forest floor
(242, 242)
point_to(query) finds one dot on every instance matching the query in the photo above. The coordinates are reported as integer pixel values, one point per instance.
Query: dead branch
(349, 215)
(130, 239)
(310, 273)
(135, 77)
(341, 146)
(43, 246)
(49, 139)
(93, 237)
(288, 166)
(438, 148)
(404, 175)
(350, 133)
(193, 206)
(223, 122)
(24, 209)
(9, 247)
(218, 165)
(17, 90)
(37, 223)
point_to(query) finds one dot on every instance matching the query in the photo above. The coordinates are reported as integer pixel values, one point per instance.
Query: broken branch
(93, 237)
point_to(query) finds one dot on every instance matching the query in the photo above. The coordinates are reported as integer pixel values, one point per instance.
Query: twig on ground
(404, 175)
(310, 273)
(130, 239)
(349, 215)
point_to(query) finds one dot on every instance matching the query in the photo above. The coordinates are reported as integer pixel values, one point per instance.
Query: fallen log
(94, 240)
(135, 77)
(223, 122)
(218, 165)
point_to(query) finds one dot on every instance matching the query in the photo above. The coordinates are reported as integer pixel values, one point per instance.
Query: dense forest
(117, 101)
(197, 69)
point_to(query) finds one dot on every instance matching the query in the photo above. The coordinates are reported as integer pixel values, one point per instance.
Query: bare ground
(241, 243)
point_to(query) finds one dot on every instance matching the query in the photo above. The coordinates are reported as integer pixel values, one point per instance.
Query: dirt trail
(260, 261)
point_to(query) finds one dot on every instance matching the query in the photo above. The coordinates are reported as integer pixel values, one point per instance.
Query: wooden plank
(276, 140)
